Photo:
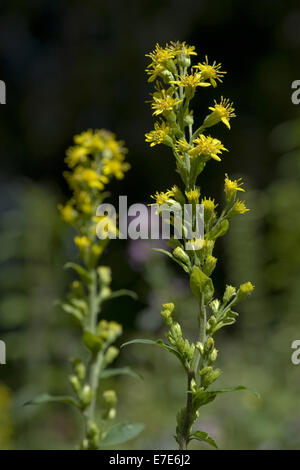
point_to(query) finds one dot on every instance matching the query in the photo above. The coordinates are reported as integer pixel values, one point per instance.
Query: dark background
(73, 65)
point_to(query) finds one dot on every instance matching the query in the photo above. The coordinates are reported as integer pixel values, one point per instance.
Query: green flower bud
(110, 397)
(188, 120)
(104, 273)
(86, 395)
(112, 413)
(176, 330)
(210, 264)
(183, 60)
(215, 305)
(209, 344)
(210, 377)
(111, 354)
(244, 290)
(181, 255)
(167, 76)
(200, 347)
(75, 383)
(205, 370)
(230, 291)
(79, 368)
(213, 355)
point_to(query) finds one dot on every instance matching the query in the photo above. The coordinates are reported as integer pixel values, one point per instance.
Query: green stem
(96, 360)
(188, 416)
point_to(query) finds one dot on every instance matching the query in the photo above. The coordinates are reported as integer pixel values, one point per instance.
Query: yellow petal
(226, 122)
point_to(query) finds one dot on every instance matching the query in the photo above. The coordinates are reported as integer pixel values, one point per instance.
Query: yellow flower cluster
(93, 161)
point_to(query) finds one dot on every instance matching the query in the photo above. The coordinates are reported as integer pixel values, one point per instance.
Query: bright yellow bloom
(116, 168)
(83, 138)
(181, 48)
(223, 111)
(158, 135)
(232, 186)
(209, 204)
(162, 197)
(88, 176)
(82, 241)
(182, 145)
(75, 155)
(190, 81)
(83, 202)
(192, 195)
(239, 208)
(210, 72)
(207, 146)
(68, 212)
(162, 102)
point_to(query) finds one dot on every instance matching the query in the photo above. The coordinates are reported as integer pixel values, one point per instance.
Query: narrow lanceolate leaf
(204, 437)
(83, 273)
(159, 342)
(203, 398)
(119, 371)
(120, 433)
(122, 292)
(45, 398)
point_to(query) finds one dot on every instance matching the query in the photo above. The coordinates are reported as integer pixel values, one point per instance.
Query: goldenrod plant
(176, 81)
(93, 161)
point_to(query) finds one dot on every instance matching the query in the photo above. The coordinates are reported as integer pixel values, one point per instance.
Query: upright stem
(188, 417)
(96, 359)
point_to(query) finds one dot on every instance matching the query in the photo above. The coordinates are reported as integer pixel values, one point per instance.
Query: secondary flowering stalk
(176, 82)
(93, 161)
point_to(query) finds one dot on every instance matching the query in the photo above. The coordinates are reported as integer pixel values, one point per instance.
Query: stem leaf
(45, 398)
(120, 433)
(204, 437)
(119, 371)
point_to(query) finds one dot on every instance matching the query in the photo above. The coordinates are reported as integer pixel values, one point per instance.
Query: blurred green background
(72, 65)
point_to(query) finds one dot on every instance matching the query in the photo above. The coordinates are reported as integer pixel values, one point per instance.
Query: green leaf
(122, 292)
(91, 341)
(159, 342)
(120, 433)
(203, 398)
(204, 437)
(201, 285)
(121, 371)
(45, 398)
(83, 273)
(75, 312)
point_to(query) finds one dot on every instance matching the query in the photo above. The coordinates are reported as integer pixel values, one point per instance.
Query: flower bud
(244, 290)
(111, 354)
(213, 355)
(181, 255)
(230, 291)
(79, 369)
(209, 344)
(104, 273)
(210, 264)
(75, 383)
(86, 395)
(200, 347)
(110, 397)
(205, 370)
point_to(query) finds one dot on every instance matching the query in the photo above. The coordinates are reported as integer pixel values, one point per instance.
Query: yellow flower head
(162, 197)
(209, 204)
(239, 208)
(115, 167)
(82, 241)
(182, 145)
(158, 135)
(210, 72)
(83, 202)
(192, 195)
(75, 155)
(89, 177)
(190, 81)
(182, 48)
(68, 212)
(207, 146)
(232, 186)
(222, 111)
(163, 101)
